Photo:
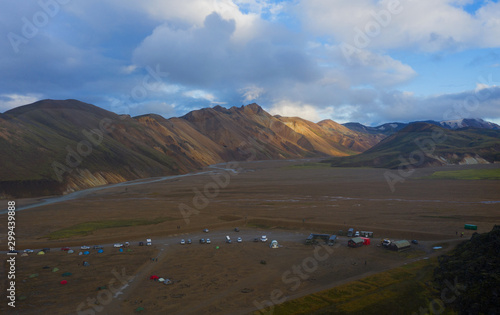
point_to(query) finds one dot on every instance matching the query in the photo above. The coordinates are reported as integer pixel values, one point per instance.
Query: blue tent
(121, 250)
(100, 251)
(86, 252)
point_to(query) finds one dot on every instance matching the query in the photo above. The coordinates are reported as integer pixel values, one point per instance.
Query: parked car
(236, 229)
(356, 234)
(97, 247)
(189, 241)
(414, 242)
(208, 241)
(263, 238)
(239, 240)
(118, 245)
(202, 241)
(46, 250)
(148, 242)
(127, 244)
(183, 242)
(205, 230)
(228, 239)
(13, 251)
(28, 251)
(85, 247)
(141, 243)
(65, 249)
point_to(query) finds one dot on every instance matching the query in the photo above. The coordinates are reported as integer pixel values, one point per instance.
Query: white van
(228, 239)
(263, 238)
(148, 242)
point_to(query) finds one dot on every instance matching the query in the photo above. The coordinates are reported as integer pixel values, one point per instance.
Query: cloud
(427, 25)
(295, 109)
(251, 93)
(9, 101)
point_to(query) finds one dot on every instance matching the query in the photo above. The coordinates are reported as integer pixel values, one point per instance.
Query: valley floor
(285, 200)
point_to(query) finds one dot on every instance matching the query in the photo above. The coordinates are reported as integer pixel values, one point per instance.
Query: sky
(364, 61)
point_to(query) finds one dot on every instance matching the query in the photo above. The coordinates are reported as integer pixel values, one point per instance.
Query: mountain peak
(255, 108)
(49, 104)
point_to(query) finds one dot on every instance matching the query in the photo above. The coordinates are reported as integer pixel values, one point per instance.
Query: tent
(274, 244)
(46, 267)
(121, 250)
(355, 242)
(161, 279)
(167, 281)
(41, 253)
(55, 269)
(66, 274)
(366, 241)
(154, 277)
(86, 252)
(64, 282)
(71, 251)
(80, 253)
(86, 264)
(100, 251)
(34, 275)
(24, 255)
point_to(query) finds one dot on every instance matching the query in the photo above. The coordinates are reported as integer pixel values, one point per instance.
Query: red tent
(154, 277)
(366, 241)
(64, 282)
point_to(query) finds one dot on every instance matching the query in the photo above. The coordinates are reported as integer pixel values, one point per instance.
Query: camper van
(350, 232)
(332, 239)
(228, 239)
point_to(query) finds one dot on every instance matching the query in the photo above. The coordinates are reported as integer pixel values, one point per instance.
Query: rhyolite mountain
(59, 146)
(422, 144)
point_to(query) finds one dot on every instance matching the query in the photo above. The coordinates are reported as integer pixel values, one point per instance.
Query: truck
(148, 242)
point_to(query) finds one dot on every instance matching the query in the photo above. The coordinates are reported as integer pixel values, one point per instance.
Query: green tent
(34, 275)
(55, 269)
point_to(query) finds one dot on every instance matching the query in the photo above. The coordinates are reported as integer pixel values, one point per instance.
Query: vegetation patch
(493, 174)
(309, 165)
(87, 228)
(401, 290)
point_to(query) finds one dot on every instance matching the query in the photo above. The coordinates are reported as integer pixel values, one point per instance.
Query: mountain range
(390, 128)
(59, 146)
(423, 144)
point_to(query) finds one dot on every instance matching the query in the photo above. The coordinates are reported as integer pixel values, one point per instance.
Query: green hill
(423, 144)
(469, 277)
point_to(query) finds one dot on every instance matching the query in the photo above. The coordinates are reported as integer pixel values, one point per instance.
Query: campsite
(284, 200)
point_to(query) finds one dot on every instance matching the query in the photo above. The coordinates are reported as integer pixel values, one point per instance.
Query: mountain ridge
(422, 144)
(390, 128)
(69, 145)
